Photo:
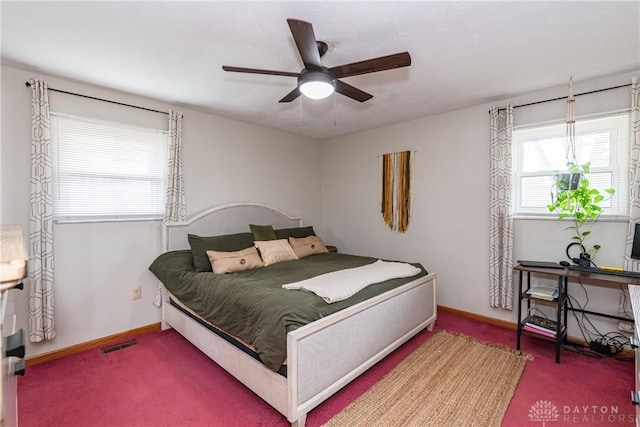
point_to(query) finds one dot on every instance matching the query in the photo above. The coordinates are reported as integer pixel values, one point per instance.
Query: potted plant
(574, 198)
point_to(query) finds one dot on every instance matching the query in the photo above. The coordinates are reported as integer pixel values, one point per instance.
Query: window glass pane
(536, 191)
(543, 154)
(594, 148)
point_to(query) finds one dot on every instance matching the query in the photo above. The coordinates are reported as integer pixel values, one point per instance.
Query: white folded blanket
(342, 284)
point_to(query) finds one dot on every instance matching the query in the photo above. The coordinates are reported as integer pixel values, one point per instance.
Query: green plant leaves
(577, 201)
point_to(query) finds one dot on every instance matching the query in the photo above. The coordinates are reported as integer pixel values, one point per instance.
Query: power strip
(599, 347)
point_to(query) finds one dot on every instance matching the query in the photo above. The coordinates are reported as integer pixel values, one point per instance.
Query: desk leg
(559, 316)
(519, 311)
(566, 309)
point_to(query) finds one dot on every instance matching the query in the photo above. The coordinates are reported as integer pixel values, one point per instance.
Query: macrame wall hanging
(396, 182)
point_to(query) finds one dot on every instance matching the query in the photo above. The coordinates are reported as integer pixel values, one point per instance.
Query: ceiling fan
(316, 81)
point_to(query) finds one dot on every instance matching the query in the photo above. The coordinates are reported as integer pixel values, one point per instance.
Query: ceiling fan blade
(382, 63)
(258, 71)
(352, 92)
(305, 39)
(291, 95)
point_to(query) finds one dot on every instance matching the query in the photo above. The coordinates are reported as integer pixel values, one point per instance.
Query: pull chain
(300, 117)
(334, 110)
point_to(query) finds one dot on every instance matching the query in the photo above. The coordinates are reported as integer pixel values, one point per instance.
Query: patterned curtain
(634, 176)
(500, 215)
(624, 307)
(41, 320)
(174, 206)
(175, 209)
(396, 178)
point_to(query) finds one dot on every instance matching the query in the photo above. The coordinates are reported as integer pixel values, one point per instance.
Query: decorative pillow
(262, 232)
(307, 246)
(225, 243)
(230, 262)
(275, 251)
(297, 232)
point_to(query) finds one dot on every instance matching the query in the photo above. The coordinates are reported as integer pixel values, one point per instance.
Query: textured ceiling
(463, 53)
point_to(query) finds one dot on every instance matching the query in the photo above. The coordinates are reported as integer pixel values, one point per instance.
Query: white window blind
(106, 171)
(540, 151)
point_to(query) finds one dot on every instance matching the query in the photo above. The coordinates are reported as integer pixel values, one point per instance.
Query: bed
(317, 362)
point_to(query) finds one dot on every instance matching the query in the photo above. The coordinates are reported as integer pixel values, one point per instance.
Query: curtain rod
(103, 100)
(566, 97)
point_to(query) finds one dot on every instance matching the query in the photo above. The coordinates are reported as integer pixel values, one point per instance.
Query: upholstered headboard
(225, 219)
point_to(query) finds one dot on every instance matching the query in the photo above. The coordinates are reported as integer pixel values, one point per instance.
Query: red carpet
(164, 381)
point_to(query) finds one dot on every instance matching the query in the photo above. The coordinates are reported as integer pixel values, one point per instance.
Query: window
(540, 151)
(106, 171)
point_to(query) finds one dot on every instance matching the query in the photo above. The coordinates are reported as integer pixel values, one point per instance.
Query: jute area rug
(451, 380)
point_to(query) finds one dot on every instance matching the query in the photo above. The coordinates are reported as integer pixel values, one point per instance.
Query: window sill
(548, 217)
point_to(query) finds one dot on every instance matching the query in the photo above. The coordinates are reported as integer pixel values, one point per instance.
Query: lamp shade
(316, 84)
(13, 254)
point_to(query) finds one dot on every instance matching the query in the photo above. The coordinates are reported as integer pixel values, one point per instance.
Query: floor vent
(119, 346)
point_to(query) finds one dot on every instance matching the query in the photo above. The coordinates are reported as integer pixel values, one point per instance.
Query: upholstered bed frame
(318, 362)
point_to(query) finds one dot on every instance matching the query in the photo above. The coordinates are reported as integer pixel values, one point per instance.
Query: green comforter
(252, 305)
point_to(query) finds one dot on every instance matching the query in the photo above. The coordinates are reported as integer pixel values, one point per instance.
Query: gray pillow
(225, 243)
(297, 232)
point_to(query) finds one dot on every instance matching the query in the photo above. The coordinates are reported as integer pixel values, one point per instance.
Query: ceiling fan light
(316, 90)
(316, 84)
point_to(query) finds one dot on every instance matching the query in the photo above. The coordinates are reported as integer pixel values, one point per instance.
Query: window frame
(162, 154)
(618, 166)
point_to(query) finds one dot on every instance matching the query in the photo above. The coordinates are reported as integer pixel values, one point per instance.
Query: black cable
(586, 335)
(625, 303)
(613, 340)
(585, 319)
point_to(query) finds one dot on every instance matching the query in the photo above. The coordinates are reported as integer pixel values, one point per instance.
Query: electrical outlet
(136, 293)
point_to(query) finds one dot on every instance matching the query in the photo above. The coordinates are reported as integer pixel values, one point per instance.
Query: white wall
(227, 161)
(97, 264)
(449, 228)
(448, 232)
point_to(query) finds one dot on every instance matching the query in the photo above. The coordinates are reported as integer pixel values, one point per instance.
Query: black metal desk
(564, 276)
